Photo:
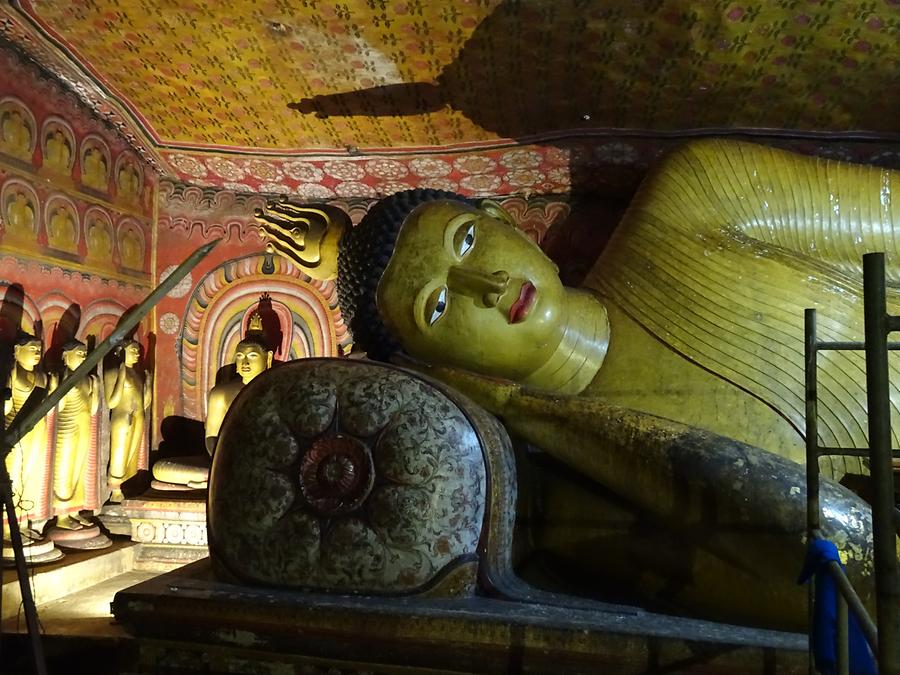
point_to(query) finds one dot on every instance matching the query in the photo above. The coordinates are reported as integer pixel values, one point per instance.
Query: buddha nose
(488, 286)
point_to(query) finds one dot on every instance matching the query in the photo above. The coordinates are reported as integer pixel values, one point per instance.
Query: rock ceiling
(206, 88)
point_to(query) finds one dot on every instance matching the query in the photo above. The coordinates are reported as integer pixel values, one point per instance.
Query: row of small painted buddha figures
(54, 468)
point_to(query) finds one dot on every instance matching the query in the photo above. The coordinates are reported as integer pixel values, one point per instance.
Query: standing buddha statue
(74, 441)
(29, 462)
(128, 394)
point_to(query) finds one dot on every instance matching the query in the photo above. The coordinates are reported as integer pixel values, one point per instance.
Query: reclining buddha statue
(667, 394)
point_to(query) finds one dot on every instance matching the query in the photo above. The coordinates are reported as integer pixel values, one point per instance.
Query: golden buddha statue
(673, 379)
(251, 357)
(131, 250)
(74, 441)
(128, 394)
(99, 241)
(28, 463)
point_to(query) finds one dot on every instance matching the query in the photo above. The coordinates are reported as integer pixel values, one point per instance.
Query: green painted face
(466, 288)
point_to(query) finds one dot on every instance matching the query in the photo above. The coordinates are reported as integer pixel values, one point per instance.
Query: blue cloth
(824, 620)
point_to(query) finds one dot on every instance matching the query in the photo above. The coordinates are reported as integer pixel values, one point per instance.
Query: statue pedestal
(85, 539)
(171, 530)
(182, 617)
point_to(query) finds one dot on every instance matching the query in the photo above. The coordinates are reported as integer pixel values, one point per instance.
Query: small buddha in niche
(99, 241)
(251, 357)
(74, 440)
(20, 218)
(16, 137)
(28, 462)
(128, 394)
(61, 230)
(58, 152)
(131, 250)
(94, 169)
(128, 182)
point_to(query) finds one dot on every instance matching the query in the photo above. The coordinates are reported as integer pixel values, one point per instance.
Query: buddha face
(466, 288)
(132, 354)
(74, 357)
(250, 360)
(29, 355)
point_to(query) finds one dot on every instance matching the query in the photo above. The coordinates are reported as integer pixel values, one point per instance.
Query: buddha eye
(436, 306)
(467, 241)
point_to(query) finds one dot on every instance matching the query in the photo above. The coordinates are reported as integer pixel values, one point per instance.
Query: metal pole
(812, 458)
(843, 637)
(887, 588)
(31, 618)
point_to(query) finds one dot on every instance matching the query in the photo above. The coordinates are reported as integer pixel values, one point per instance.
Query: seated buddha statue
(128, 394)
(673, 380)
(29, 462)
(74, 441)
(251, 357)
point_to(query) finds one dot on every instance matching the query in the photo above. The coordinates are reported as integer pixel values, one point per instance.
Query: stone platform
(169, 526)
(189, 621)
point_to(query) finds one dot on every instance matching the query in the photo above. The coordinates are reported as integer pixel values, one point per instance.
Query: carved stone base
(171, 531)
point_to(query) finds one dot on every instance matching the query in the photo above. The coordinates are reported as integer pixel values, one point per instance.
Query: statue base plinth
(83, 539)
(170, 527)
(183, 618)
(37, 552)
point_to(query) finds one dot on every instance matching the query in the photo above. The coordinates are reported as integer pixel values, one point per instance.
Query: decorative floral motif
(304, 172)
(474, 164)
(439, 184)
(616, 153)
(429, 168)
(189, 165)
(520, 159)
(168, 323)
(314, 191)
(481, 184)
(386, 168)
(524, 178)
(346, 171)
(263, 170)
(336, 474)
(353, 189)
(225, 168)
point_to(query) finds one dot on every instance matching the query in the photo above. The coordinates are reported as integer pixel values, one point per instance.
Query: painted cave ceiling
(202, 84)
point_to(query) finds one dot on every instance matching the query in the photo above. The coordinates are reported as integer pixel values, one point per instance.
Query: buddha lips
(522, 305)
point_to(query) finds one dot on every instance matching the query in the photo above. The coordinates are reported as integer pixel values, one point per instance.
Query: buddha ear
(494, 210)
(269, 355)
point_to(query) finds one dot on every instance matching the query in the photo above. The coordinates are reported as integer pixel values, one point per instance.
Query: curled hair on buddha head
(363, 256)
(23, 338)
(71, 344)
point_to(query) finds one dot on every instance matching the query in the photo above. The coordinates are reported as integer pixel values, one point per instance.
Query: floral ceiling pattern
(320, 98)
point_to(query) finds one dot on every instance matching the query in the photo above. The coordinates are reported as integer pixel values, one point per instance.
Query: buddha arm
(746, 504)
(216, 408)
(95, 393)
(115, 385)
